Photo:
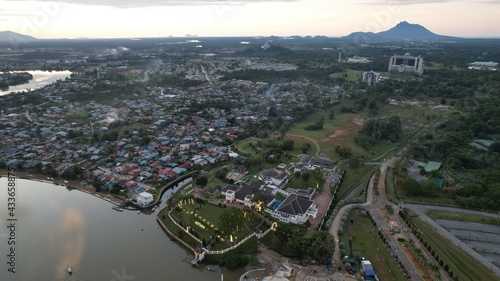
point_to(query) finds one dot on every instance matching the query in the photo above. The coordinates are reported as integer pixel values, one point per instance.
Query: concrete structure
(394, 227)
(483, 65)
(358, 59)
(371, 77)
(230, 195)
(144, 199)
(406, 64)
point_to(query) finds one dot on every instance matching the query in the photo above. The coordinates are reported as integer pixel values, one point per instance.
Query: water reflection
(59, 228)
(72, 239)
(40, 79)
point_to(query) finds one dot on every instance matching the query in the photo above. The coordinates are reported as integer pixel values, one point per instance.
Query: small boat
(138, 212)
(69, 270)
(154, 209)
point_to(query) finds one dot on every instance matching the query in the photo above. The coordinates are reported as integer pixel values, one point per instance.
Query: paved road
(374, 205)
(420, 210)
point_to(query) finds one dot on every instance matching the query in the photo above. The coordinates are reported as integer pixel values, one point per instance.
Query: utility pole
(350, 237)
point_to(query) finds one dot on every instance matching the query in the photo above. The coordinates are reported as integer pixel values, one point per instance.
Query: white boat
(69, 270)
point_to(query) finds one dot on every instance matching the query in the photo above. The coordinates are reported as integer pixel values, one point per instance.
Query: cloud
(489, 2)
(156, 3)
(403, 2)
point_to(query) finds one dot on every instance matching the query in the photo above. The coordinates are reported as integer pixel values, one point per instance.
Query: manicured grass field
(367, 243)
(463, 265)
(352, 75)
(211, 213)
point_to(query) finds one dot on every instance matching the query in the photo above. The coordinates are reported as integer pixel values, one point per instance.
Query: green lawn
(211, 213)
(352, 75)
(206, 220)
(175, 229)
(440, 200)
(367, 243)
(298, 183)
(438, 214)
(389, 186)
(245, 147)
(461, 263)
(354, 176)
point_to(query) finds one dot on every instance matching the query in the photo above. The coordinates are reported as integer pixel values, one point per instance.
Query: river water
(57, 227)
(40, 79)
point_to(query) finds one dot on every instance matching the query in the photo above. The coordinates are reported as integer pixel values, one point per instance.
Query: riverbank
(114, 199)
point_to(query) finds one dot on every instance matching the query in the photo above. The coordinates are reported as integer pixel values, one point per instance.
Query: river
(57, 227)
(40, 79)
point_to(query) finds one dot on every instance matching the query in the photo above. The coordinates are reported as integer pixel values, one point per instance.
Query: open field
(440, 200)
(353, 176)
(445, 215)
(342, 130)
(367, 243)
(245, 147)
(298, 183)
(349, 75)
(462, 264)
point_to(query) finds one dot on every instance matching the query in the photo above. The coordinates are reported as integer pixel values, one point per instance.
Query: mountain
(9, 36)
(402, 31)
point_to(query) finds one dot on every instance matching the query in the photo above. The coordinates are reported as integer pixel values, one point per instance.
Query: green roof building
(432, 166)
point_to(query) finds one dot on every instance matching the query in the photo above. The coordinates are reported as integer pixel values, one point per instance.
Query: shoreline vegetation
(112, 198)
(8, 79)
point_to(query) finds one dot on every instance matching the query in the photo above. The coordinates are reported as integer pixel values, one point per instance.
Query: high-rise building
(406, 64)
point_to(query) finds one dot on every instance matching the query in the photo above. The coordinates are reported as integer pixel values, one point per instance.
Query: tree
(201, 180)
(221, 174)
(331, 116)
(231, 220)
(259, 197)
(411, 186)
(306, 147)
(323, 245)
(287, 145)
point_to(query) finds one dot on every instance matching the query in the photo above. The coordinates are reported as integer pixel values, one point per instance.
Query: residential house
(295, 209)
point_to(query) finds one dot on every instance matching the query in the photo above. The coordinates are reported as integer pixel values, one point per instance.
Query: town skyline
(163, 18)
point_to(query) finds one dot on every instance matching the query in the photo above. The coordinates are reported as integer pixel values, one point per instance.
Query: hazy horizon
(77, 19)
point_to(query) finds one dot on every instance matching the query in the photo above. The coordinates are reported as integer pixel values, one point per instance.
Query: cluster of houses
(153, 136)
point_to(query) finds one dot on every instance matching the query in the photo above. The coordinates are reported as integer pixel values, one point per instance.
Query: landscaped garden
(216, 226)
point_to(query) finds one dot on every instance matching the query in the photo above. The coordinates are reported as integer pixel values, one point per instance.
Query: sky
(162, 18)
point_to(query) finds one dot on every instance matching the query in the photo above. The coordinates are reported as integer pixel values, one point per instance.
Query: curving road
(374, 206)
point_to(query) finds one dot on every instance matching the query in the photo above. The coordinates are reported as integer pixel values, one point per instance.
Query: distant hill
(9, 36)
(402, 31)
